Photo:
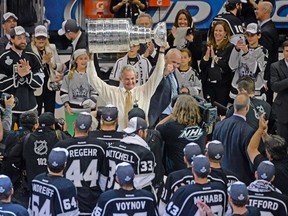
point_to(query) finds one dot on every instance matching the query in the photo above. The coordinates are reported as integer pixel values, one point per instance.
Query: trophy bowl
(118, 35)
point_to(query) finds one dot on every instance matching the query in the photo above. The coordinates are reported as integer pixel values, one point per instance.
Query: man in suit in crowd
(160, 104)
(9, 21)
(279, 84)
(72, 30)
(235, 133)
(269, 39)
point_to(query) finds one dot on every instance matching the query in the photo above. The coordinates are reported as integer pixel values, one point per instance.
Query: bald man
(235, 133)
(269, 39)
(160, 104)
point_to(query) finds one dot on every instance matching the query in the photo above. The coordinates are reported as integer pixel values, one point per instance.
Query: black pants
(217, 93)
(48, 98)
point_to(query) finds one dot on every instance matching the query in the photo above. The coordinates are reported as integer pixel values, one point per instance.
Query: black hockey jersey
(36, 148)
(134, 150)
(184, 200)
(268, 199)
(84, 168)
(123, 202)
(21, 87)
(52, 195)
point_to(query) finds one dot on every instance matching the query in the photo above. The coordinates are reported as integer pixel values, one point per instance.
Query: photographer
(12, 164)
(182, 127)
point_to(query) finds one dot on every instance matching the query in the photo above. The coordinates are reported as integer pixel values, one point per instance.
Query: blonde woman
(76, 93)
(183, 127)
(53, 69)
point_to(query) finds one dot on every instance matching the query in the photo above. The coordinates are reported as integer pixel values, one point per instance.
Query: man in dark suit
(9, 21)
(279, 84)
(160, 104)
(269, 39)
(72, 31)
(235, 133)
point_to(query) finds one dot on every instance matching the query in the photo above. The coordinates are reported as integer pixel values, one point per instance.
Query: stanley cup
(117, 35)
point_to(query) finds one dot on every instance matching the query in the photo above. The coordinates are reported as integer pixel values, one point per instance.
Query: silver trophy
(117, 35)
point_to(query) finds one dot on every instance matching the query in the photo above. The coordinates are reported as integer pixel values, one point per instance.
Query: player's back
(124, 202)
(174, 181)
(140, 157)
(269, 203)
(183, 202)
(52, 195)
(84, 167)
(234, 22)
(37, 146)
(12, 209)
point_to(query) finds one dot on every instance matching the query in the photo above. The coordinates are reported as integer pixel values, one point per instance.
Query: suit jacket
(235, 133)
(270, 40)
(279, 84)
(160, 100)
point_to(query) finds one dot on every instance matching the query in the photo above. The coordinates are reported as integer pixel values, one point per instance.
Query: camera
(208, 112)
(8, 96)
(60, 121)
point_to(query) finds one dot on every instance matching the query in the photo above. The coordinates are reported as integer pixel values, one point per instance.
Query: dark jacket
(270, 40)
(279, 84)
(235, 133)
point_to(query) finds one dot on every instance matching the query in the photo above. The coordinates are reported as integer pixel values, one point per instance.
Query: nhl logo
(40, 147)
(2, 190)
(241, 197)
(54, 164)
(217, 156)
(264, 176)
(108, 118)
(127, 178)
(203, 170)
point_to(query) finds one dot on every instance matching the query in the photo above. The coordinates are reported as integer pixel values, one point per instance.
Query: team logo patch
(127, 178)
(241, 197)
(264, 176)
(54, 164)
(217, 156)
(108, 118)
(2, 190)
(8, 60)
(40, 147)
(203, 170)
(82, 126)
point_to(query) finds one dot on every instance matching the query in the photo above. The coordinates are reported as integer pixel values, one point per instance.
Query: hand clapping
(23, 68)
(46, 57)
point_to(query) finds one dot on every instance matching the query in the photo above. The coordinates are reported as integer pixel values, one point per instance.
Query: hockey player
(84, 164)
(51, 193)
(264, 195)
(183, 202)
(127, 200)
(6, 206)
(132, 149)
